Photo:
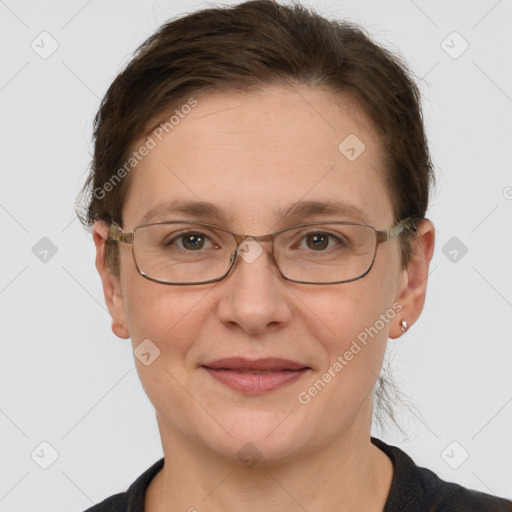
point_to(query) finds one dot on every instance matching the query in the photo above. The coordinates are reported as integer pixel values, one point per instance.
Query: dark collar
(407, 491)
(413, 489)
(406, 482)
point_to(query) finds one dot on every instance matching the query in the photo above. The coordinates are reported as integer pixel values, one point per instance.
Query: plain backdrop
(69, 383)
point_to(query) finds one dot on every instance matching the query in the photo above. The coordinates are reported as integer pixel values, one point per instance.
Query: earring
(403, 326)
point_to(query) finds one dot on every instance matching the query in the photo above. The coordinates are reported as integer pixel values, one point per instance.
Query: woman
(258, 197)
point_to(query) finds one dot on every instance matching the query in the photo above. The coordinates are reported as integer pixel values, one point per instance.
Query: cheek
(159, 312)
(351, 309)
(173, 320)
(360, 323)
(355, 319)
(164, 321)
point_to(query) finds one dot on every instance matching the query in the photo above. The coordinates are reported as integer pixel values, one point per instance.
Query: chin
(259, 438)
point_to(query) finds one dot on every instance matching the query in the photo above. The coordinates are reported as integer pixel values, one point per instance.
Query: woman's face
(254, 156)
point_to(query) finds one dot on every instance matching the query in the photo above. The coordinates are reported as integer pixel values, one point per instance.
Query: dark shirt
(413, 489)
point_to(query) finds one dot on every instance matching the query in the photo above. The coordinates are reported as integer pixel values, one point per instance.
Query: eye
(189, 241)
(320, 240)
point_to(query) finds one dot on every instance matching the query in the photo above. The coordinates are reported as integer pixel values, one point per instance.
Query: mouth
(254, 377)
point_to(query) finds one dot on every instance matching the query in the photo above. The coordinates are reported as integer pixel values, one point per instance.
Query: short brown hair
(244, 48)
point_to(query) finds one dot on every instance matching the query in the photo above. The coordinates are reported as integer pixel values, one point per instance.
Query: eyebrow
(296, 211)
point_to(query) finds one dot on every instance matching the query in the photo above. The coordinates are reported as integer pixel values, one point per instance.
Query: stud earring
(403, 326)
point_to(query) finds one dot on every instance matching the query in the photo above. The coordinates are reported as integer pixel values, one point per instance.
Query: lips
(267, 365)
(254, 377)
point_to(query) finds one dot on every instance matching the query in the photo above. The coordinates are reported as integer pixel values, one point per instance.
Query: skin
(250, 154)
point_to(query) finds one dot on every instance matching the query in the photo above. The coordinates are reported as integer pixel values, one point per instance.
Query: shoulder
(115, 503)
(451, 497)
(133, 499)
(416, 489)
(460, 498)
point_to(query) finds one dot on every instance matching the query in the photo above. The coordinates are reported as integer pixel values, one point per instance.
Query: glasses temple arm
(408, 223)
(116, 233)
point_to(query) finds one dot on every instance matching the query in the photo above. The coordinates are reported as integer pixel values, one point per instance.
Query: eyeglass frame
(116, 233)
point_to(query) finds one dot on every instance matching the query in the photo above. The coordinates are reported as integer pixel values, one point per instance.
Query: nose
(254, 294)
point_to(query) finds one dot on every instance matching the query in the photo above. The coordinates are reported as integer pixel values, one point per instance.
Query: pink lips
(255, 376)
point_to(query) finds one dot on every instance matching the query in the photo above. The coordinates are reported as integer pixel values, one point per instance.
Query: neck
(350, 474)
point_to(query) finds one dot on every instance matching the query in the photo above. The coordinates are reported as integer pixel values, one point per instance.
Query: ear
(412, 288)
(111, 287)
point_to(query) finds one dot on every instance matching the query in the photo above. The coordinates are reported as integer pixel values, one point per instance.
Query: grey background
(68, 381)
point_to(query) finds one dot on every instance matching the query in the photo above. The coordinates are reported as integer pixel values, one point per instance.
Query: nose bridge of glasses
(258, 238)
(240, 239)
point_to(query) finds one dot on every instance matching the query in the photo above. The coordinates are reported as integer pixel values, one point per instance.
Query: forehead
(256, 155)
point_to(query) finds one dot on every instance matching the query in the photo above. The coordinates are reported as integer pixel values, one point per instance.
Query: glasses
(184, 252)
